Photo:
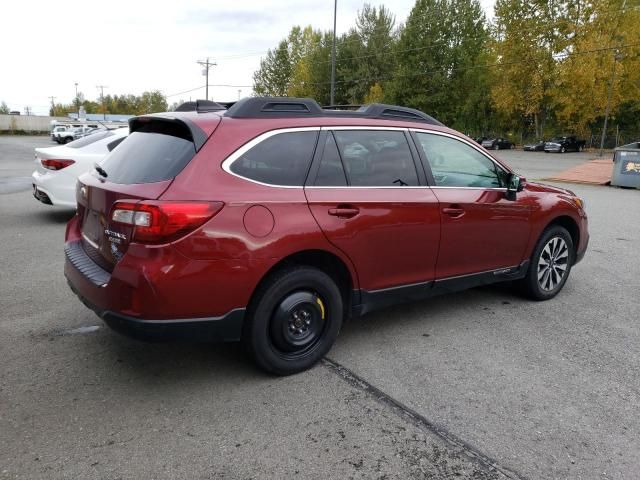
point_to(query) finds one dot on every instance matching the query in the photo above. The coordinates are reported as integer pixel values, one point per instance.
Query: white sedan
(58, 168)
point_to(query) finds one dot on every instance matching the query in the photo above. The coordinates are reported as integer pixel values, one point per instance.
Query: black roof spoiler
(196, 133)
(279, 107)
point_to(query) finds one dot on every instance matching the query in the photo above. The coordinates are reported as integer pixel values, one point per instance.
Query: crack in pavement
(418, 420)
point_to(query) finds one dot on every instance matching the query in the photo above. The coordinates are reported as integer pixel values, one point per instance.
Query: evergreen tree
(440, 54)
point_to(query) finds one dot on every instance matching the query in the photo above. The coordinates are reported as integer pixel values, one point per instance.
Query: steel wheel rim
(298, 323)
(553, 264)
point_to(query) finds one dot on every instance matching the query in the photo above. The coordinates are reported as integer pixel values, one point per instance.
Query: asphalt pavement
(479, 384)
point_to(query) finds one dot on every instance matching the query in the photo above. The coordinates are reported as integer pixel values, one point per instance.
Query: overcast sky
(137, 45)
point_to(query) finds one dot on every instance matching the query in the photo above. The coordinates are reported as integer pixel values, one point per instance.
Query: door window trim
(417, 163)
(427, 165)
(422, 158)
(227, 162)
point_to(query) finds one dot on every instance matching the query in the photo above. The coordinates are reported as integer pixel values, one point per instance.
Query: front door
(364, 191)
(481, 229)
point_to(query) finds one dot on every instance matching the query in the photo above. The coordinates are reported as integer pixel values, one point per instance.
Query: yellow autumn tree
(602, 64)
(375, 94)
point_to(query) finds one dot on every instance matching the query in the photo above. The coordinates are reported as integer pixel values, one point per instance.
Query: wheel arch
(323, 260)
(570, 225)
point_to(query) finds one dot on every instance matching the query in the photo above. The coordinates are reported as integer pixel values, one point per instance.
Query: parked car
(564, 144)
(57, 131)
(75, 133)
(497, 144)
(275, 220)
(479, 140)
(58, 168)
(534, 147)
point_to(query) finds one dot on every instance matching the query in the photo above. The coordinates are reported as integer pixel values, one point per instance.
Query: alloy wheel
(553, 264)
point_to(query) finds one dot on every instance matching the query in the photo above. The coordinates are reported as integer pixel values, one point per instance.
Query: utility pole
(104, 110)
(53, 106)
(616, 57)
(333, 54)
(207, 65)
(77, 101)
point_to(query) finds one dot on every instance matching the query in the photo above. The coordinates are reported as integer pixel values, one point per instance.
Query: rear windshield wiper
(100, 170)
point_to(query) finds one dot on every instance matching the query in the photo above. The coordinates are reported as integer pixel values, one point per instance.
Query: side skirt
(371, 300)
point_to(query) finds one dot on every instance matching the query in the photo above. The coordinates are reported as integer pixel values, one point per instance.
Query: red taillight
(162, 222)
(51, 164)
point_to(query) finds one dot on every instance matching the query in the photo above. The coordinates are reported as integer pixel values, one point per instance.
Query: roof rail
(395, 112)
(346, 106)
(279, 107)
(200, 106)
(266, 107)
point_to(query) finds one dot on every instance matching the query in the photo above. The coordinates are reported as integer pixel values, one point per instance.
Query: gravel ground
(480, 384)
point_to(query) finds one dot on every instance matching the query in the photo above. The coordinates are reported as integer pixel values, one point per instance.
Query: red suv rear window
(155, 152)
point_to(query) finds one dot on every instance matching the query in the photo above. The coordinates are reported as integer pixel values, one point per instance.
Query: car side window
(376, 158)
(331, 172)
(282, 159)
(456, 164)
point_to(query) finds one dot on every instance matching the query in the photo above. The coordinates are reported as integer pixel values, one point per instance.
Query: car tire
(496, 147)
(550, 264)
(293, 320)
(68, 140)
(563, 150)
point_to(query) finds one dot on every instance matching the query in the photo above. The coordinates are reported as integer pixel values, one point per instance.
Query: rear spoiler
(195, 133)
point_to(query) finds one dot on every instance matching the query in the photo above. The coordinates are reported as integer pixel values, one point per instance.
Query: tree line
(537, 68)
(149, 102)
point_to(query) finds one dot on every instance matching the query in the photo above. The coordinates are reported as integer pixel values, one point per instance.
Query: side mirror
(515, 184)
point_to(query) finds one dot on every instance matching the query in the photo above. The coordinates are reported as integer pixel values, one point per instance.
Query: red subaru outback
(275, 220)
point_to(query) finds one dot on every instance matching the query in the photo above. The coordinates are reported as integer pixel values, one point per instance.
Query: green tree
(4, 109)
(274, 75)
(365, 55)
(440, 57)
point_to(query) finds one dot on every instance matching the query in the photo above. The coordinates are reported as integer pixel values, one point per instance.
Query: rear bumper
(105, 293)
(227, 328)
(59, 188)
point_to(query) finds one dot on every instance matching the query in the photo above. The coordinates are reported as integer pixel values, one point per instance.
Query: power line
(211, 85)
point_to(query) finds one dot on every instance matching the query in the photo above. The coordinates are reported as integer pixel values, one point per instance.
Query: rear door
(365, 192)
(141, 168)
(481, 229)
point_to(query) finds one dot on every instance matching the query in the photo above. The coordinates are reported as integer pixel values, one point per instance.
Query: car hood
(542, 187)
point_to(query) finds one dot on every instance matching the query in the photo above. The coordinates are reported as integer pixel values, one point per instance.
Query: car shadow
(423, 312)
(55, 215)
(175, 362)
